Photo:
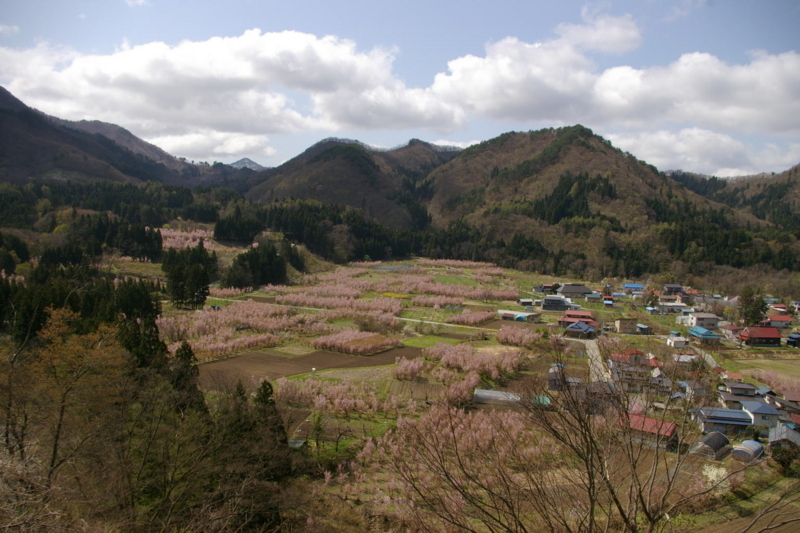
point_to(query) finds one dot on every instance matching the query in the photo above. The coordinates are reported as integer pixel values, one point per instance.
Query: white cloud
(602, 33)
(761, 96)
(684, 8)
(460, 144)
(704, 151)
(238, 89)
(209, 144)
(136, 3)
(8, 30)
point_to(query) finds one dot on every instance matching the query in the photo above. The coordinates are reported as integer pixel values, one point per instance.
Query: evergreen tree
(753, 307)
(184, 379)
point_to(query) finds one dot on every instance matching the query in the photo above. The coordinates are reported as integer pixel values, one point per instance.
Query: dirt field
(261, 365)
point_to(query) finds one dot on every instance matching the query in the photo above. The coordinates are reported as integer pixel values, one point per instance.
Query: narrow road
(598, 369)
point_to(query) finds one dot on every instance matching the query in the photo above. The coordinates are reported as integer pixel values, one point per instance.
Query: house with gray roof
(761, 413)
(725, 421)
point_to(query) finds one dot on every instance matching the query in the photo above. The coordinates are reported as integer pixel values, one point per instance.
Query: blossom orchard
(472, 318)
(354, 342)
(492, 364)
(408, 369)
(173, 238)
(514, 336)
(341, 398)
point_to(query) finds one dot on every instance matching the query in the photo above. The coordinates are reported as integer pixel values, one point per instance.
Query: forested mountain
(35, 145)
(556, 200)
(383, 184)
(773, 198)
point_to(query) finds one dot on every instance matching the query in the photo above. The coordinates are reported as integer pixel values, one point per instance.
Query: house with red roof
(777, 321)
(652, 431)
(760, 336)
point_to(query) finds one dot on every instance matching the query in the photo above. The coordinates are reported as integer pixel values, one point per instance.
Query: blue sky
(702, 85)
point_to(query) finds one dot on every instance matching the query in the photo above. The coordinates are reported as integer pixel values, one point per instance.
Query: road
(598, 369)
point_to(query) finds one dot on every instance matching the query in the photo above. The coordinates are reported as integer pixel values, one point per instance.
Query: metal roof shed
(496, 397)
(715, 445)
(748, 451)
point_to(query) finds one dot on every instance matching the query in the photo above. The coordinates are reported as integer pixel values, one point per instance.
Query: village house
(574, 290)
(725, 421)
(703, 320)
(777, 321)
(653, 431)
(671, 288)
(760, 336)
(579, 329)
(625, 324)
(557, 303)
(574, 315)
(677, 341)
(789, 404)
(761, 413)
(784, 437)
(665, 308)
(732, 394)
(740, 389)
(694, 389)
(685, 360)
(704, 336)
(730, 331)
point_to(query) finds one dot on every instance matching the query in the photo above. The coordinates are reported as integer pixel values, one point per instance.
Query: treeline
(102, 427)
(768, 201)
(152, 204)
(97, 232)
(342, 234)
(189, 272)
(698, 235)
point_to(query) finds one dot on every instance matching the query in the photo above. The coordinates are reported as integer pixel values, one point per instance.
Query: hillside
(35, 145)
(381, 183)
(770, 197)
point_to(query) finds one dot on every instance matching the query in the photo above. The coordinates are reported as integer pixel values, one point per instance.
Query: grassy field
(428, 340)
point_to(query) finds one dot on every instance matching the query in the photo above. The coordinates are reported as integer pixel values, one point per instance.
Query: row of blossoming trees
(311, 307)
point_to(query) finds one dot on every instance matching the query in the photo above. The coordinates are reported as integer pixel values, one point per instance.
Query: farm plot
(269, 366)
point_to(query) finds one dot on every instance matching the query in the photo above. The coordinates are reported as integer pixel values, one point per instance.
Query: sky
(709, 86)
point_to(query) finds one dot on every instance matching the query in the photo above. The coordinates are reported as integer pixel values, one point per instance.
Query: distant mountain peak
(10, 102)
(246, 162)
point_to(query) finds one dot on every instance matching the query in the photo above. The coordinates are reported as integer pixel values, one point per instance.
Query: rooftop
(652, 425)
(760, 333)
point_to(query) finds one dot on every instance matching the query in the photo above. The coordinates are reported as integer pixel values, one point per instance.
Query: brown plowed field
(259, 365)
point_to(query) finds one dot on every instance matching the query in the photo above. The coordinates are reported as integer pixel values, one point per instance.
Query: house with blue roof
(633, 287)
(704, 336)
(580, 329)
